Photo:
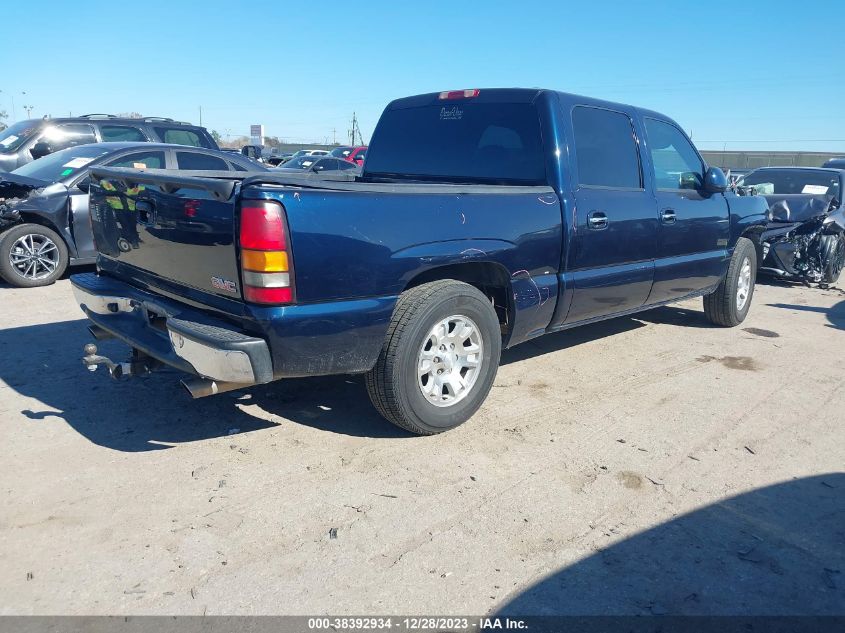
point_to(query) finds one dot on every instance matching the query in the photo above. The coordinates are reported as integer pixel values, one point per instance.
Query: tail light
(266, 266)
(460, 94)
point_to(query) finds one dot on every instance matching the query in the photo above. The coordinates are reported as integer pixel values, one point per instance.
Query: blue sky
(742, 74)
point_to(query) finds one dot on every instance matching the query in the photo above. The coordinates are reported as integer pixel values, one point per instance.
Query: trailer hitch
(139, 363)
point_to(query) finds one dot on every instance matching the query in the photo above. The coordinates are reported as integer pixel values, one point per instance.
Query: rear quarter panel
(350, 245)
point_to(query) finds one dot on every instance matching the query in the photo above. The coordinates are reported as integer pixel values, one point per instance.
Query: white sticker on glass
(76, 163)
(816, 190)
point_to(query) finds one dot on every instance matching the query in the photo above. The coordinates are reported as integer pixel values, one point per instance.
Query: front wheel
(729, 304)
(439, 358)
(32, 255)
(832, 249)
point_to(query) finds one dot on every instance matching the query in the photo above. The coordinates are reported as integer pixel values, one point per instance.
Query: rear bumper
(174, 334)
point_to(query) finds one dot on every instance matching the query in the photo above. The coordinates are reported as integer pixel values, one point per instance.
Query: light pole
(14, 114)
(29, 110)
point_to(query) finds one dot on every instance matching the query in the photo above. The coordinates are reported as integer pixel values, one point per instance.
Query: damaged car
(44, 220)
(805, 235)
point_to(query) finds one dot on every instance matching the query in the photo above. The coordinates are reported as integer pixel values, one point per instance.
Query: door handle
(146, 212)
(597, 220)
(668, 216)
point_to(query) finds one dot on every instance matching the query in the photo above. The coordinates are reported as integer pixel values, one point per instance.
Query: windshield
(793, 181)
(61, 165)
(17, 134)
(341, 152)
(497, 143)
(303, 162)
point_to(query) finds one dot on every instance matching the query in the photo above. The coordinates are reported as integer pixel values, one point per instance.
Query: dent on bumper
(209, 350)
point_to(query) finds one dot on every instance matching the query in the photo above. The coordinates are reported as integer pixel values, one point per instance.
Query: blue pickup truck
(482, 219)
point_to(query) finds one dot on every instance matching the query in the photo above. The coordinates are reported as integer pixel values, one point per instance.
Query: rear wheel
(439, 359)
(832, 250)
(32, 255)
(729, 304)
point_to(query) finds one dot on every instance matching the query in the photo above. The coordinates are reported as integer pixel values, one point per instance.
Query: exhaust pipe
(202, 387)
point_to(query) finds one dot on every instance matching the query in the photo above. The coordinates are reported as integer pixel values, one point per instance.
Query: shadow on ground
(778, 550)
(835, 314)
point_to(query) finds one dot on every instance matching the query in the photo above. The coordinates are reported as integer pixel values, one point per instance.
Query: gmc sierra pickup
(482, 219)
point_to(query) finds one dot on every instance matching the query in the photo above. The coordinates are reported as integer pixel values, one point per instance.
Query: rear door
(694, 225)
(612, 262)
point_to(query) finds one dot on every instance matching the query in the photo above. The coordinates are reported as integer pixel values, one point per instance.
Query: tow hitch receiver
(138, 365)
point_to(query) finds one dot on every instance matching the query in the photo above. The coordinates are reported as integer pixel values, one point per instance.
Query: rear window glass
(180, 136)
(460, 141)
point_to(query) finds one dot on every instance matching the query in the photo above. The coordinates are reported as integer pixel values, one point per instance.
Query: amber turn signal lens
(265, 261)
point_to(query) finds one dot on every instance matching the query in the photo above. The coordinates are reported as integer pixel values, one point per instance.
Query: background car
(321, 167)
(835, 163)
(29, 140)
(44, 220)
(352, 154)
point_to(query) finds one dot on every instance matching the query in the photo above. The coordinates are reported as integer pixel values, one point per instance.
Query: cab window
(605, 149)
(676, 163)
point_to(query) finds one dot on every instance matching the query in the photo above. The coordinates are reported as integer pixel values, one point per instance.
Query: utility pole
(355, 132)
(29, 110)
(334, 136)
(200, 116)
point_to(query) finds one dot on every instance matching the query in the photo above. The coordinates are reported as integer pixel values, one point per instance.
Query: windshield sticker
(66, 172)
(816, 190)
(76, 163)
(451, 114)
(8, 141)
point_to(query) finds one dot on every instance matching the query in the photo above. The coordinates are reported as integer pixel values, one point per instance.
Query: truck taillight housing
(266, 266)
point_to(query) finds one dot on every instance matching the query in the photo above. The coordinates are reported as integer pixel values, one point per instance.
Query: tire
(424, 318)
(832, 251)
(16, 266)
(726, 305)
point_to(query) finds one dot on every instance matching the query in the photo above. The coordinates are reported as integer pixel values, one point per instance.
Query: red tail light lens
(262, 227)
(266, 264)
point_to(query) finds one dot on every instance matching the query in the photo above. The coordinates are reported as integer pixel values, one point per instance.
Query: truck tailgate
(180, 228)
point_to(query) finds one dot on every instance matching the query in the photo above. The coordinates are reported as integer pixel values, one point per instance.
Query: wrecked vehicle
(805, 236)
(482, 219)
(44, 221)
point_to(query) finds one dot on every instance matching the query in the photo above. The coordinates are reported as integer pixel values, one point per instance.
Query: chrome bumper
(173, 334)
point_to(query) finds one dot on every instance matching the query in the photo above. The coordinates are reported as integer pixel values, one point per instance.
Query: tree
(216, 136)
(3, 117)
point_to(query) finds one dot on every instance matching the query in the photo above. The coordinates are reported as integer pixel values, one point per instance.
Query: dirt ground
(644, 465)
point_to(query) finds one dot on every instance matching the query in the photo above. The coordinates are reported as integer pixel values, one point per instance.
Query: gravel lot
(651, 464)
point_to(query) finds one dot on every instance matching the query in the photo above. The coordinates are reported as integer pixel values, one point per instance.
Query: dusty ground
(643, 465)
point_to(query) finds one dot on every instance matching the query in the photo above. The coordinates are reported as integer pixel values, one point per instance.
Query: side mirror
(84, 185)
(40, 149)
(715, 181)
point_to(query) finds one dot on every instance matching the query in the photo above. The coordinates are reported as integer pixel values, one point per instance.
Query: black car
(44, 220)
(320, 167)
(835, 163)
(804, 238)
(28, 140)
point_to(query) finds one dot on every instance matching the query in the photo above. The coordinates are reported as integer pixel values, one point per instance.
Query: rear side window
(605, 149)
(197, 161)
(150, 160)
(121, 133)
(345, 164)
(460, 141)
(181, 136)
